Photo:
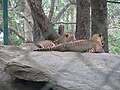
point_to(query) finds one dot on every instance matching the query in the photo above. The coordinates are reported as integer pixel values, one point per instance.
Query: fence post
(5, 21)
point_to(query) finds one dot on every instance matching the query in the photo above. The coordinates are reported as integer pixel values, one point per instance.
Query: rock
(68, 70)
(10, 83)
(28, 46)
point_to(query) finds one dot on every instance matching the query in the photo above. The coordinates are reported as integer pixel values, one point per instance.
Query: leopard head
(99, 38)
(67, 37)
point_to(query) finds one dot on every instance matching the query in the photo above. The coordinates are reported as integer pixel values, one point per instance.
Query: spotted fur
(67, 37)
(45, 44)
(84, 45)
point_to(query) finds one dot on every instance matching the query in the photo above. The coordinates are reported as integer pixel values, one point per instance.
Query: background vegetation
(16, 21)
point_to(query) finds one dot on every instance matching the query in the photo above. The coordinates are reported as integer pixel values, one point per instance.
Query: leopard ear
(67, 35)
(100, 35)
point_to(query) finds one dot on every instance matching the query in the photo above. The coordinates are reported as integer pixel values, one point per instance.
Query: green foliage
(114, 44)
(68, 16)
(15, 40)
(114, 28)
(16, 20)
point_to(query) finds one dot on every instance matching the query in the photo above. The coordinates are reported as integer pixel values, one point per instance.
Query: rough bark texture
(99, 19)
(51, 10)
(61, 29)
(28, 23)
(83, 19)
(43, 22)
(37, 33)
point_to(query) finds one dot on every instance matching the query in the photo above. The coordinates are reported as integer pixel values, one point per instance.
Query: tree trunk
(61, 29)
(99, 19)
(73, 26)
(83, 19)
(28, 23)
(43, 22)
(51, 10)
(37, 33)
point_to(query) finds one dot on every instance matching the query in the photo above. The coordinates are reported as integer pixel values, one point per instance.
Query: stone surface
(10, 83)
(68, 70)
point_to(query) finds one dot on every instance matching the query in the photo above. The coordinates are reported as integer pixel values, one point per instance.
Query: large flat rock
(68, 70)
(7, 53)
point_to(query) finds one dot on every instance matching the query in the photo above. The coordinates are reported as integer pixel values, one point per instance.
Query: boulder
(68, 70)
(7, 82)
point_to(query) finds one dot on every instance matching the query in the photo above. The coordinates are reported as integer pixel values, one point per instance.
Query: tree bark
(99, 19)
(83, 19)
(73, 26)
(43, 22)
(28, 23)
(61, 29)
(37, 33)
(51, 10)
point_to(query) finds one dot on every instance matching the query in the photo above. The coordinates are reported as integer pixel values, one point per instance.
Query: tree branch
(113, 2)
(73, 2)
(61, 12)
(14, 31)
(43, 22)
(51, 9)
